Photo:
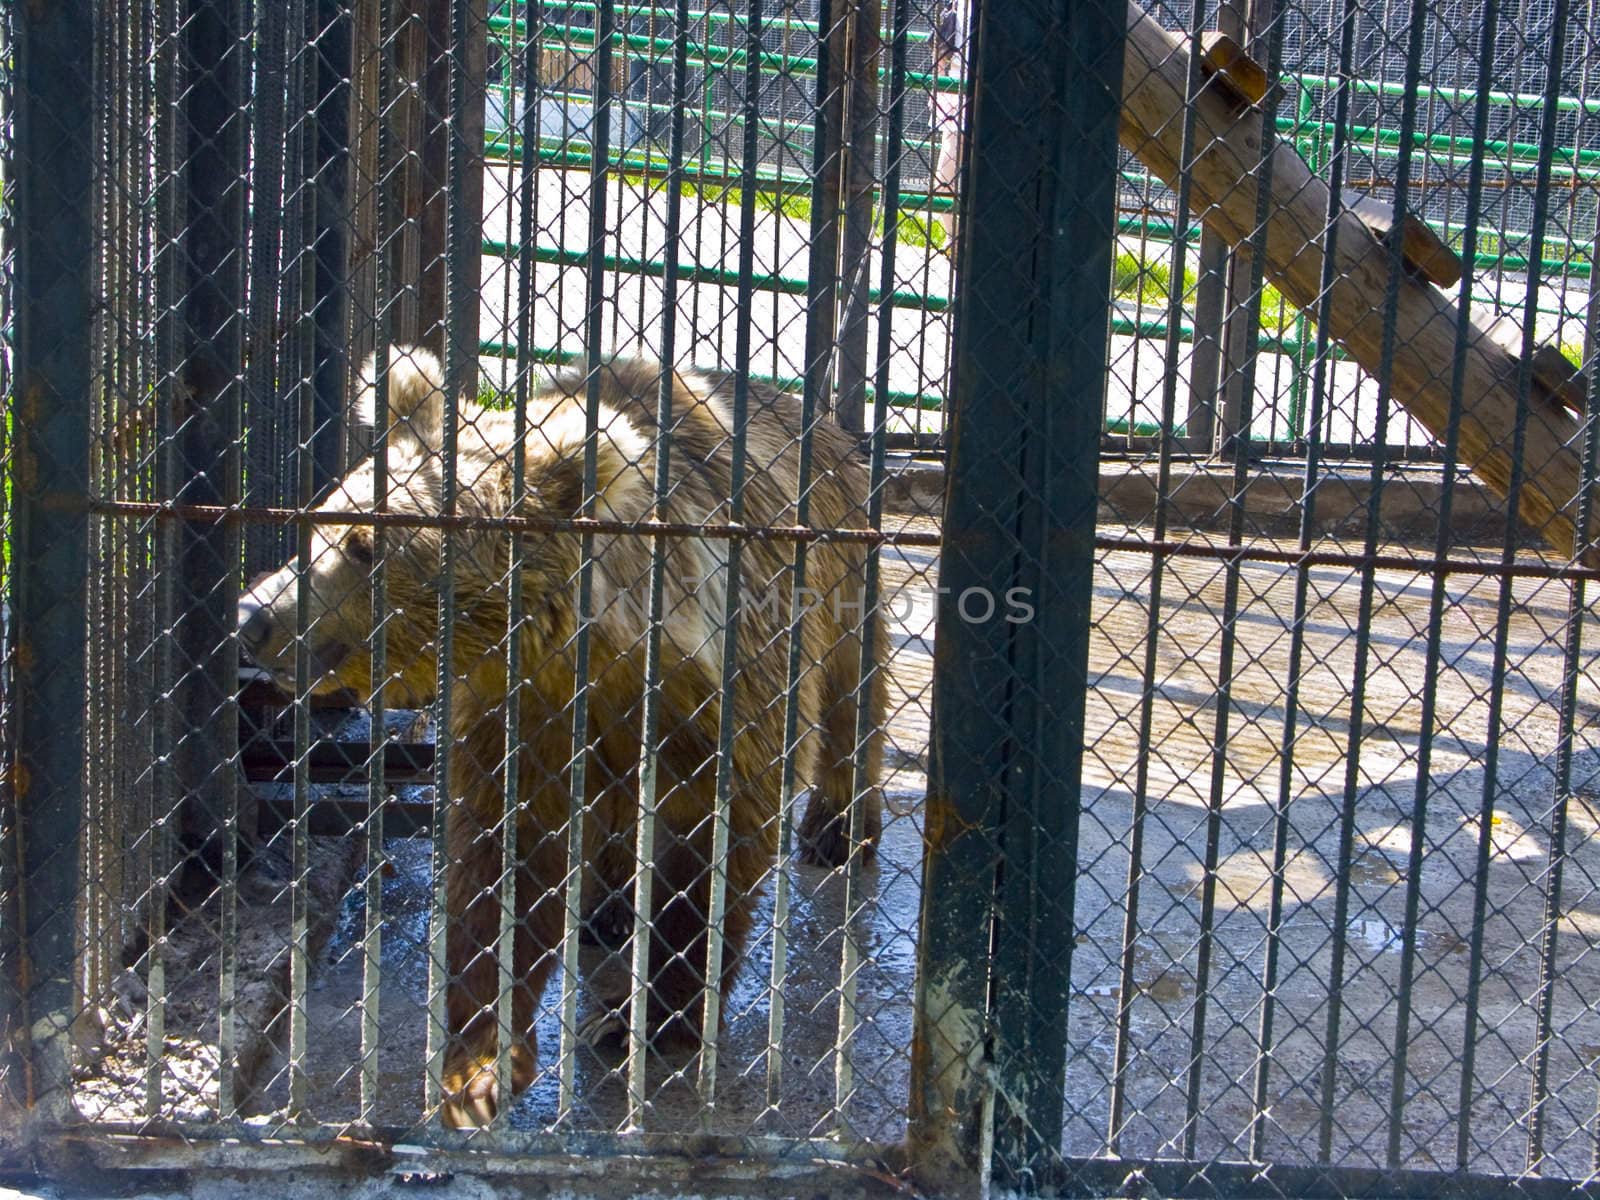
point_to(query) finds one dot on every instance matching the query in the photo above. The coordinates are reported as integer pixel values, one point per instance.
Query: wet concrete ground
(1369, 774)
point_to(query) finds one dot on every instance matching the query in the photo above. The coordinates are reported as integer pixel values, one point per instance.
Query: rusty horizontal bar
(392, 520)
(1421, 564)
(794, 533)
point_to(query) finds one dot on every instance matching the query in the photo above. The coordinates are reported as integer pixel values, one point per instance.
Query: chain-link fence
(440, 734)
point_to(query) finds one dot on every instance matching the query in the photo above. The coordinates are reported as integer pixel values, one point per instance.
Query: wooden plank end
(1225, 61)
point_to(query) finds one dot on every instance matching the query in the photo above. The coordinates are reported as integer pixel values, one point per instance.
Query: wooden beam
(1227, 163)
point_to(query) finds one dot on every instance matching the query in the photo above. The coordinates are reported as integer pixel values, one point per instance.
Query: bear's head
(338, 573)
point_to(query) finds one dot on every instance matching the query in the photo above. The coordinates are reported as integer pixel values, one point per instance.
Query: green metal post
(54, 154)
(989, 1047)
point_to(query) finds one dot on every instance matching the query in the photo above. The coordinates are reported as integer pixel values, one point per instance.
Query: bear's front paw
(469, 1099)
(606, 1028)
(671, 1035)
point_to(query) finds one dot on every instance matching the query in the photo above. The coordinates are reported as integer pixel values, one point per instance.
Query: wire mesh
(492, 737)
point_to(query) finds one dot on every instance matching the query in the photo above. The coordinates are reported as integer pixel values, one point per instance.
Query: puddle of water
(1380, 937)
(1374, 870)
(1376, 935)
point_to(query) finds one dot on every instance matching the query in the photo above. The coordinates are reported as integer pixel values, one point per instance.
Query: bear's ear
(415, 395)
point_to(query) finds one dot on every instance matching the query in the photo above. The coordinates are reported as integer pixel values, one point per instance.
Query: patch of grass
(791, 205)
(1277, 314)
(920, 231)
(1149, 282)
(794, 205)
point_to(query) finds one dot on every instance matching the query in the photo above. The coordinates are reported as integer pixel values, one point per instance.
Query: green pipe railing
(1310, 135)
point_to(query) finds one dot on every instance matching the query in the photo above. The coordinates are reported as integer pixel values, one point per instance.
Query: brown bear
(700, 461)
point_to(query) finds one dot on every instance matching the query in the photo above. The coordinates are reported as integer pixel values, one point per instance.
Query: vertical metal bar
(300, 836)
(212, 141)
(378, 645)
(726, 727)
(508, 1030)
(1419, 804)
(649, 751)
(526, 202)
(1003, 797)
(1538, 1090)
(822, 271)
(594, 299)
(1122, 1048)
(818, 377)
(1486, 60)
(1302, 586)
(303, 298)
(754, 49)
(1210, 309)
(1262, 13)
(330, 66)
(49, 527)
(1363, 624)
(858, 168)
(850, 954)
(169, 201)
(460, 358)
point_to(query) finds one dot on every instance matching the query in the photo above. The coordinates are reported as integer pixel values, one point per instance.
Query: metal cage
(915, 597)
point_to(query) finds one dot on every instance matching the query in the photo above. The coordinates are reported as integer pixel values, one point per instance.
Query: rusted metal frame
(534, 1154)
(1003, 800)
(748, 1165)
(54, 157)
(1246, 552)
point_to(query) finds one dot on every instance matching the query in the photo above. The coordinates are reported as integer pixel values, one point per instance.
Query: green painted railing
(713, 175)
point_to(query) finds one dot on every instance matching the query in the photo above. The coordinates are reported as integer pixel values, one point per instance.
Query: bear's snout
(255, 626)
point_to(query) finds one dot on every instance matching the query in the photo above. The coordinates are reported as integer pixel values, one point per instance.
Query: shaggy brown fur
(700, 463)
